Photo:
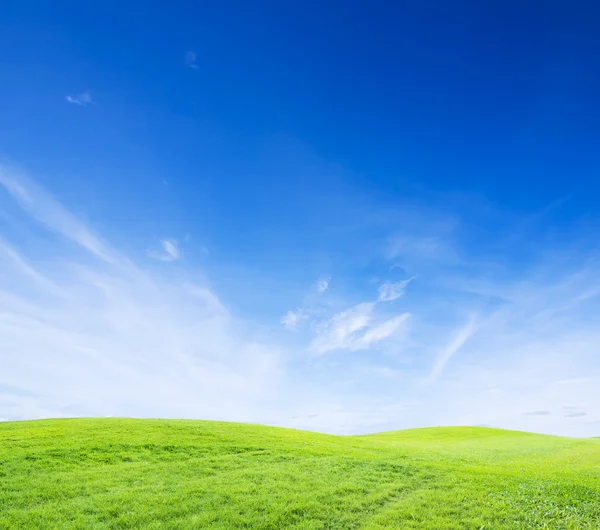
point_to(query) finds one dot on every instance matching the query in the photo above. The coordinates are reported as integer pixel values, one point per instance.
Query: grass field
(125, 473)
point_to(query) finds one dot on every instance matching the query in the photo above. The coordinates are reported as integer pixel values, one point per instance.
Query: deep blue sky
(277, 144)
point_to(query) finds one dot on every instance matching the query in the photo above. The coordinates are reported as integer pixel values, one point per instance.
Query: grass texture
(129, 473)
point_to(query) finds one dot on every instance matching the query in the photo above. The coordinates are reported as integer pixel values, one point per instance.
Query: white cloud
(102, 336)
(9, 253)
(457, 341)
(337, 333)
(87, 331)
(43, 207)
(380, 332)
(354, 329)
(83, 99)
(392, 291)
(322, 285)
(169, 252)
(292, 319)
(190, 60)
(171, 248)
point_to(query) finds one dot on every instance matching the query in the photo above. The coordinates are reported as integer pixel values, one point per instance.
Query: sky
(341, 217)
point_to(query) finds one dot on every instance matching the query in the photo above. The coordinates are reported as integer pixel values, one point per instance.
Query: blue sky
(344, 218)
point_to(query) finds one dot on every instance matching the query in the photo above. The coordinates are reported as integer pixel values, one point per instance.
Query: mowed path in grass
(127, 473)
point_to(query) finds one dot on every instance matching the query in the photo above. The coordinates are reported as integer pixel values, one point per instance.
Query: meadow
(132, 473)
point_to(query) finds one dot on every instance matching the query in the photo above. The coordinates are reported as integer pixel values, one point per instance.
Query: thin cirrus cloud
(41, 206)
(475, 344)
(356, 328)
(389, 292)
(95, 334)
(458, 339)
(84, 99)
(341, 331)
(89, 331)
(322, 285)
(295, 318)
(292, 319)
(381, 331)
(168, 252)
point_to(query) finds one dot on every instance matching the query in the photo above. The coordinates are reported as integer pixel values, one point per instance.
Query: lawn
(127, 473)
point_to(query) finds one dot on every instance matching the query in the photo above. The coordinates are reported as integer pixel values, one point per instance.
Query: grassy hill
(125, 473)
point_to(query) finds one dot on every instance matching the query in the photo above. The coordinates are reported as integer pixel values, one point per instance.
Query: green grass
(125, 473)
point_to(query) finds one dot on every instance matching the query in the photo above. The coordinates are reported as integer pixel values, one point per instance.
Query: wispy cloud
(88, 330)
(381, 331)
(93, 337)
(322, 284)
(339, 331)
(353, 329)
(292, 319)
(169, 251)
(84, 99)
(10, 254)
(457, 341)
(190, 60)
(43, 207)
(359, 327)
(571, 411)
(389, 292)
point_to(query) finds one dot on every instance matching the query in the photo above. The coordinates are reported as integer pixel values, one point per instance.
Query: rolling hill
(128, 473)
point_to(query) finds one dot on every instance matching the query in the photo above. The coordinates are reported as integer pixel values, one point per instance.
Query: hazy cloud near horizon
(92, 330)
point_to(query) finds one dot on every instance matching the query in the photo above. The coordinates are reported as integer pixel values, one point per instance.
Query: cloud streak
(83, 100)
(45, 209)
(322, 285)
(103, 336)
(169, 251)
(355, 329)
(457, 341)
(292, 319)
(87, 330)
(388, 292)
